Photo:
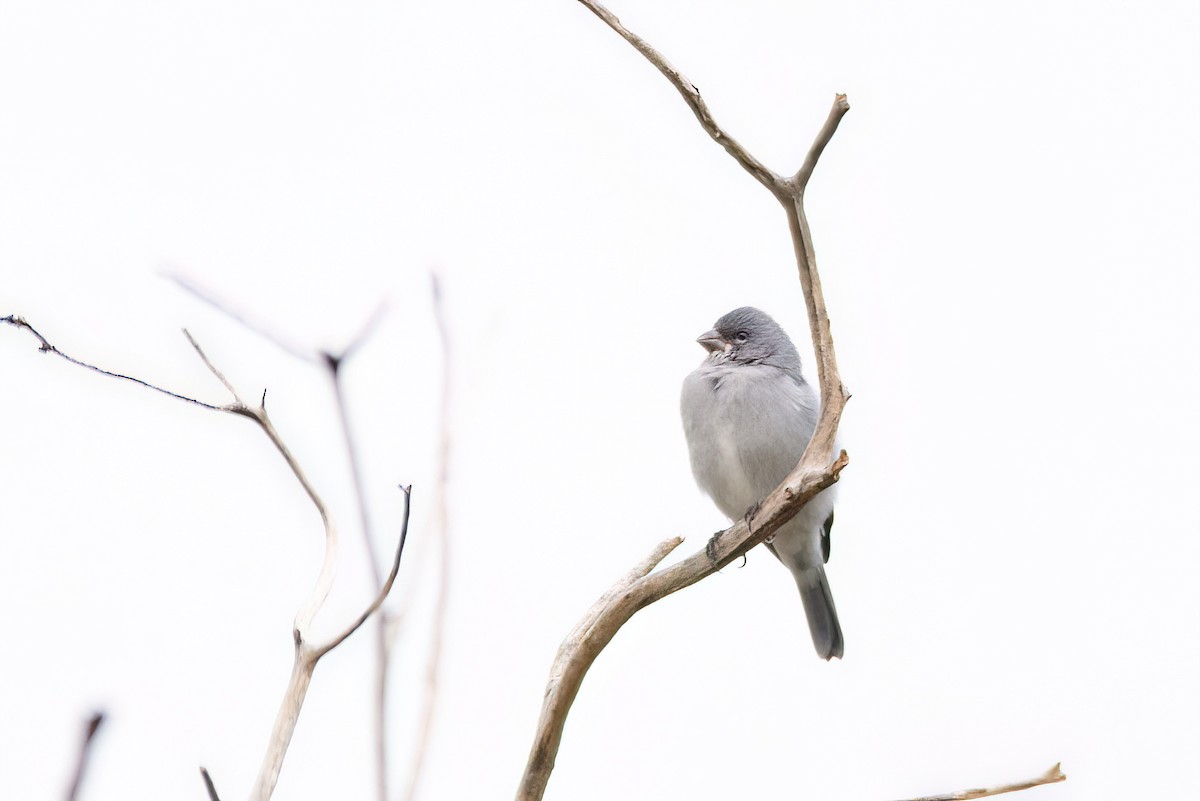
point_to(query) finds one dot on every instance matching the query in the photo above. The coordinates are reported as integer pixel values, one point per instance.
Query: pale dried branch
(1051, 776)
(691, 96)
(637, 590)
(441, 528)
(85, 751)
(816, 470)
(571, 663)
(840, 107)
(259, 415)
(333, 363)
(303, 664)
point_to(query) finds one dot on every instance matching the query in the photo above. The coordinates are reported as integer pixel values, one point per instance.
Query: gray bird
(748, 414)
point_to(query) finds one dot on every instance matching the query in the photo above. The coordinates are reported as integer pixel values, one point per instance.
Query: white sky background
(1006, 228)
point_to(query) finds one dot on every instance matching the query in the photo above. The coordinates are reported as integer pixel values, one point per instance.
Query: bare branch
(303, 665)
(320, 651)
(238, 406)
(691, 96)
(46, 347)
(306, 656)
(638, 589)
(209, 787)
(360, 339)
(840, 107)
(243, 317)
(816, 470)
(85, 750)
(1051, 776)
(441, 525)
(333, 365)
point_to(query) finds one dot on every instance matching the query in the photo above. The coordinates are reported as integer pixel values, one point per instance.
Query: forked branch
(816, 470)
(307, 654)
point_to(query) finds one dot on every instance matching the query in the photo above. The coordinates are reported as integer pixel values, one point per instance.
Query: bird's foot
(751, 513)
(710, 549)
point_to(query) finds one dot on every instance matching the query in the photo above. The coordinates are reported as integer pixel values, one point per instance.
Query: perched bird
(748, 414)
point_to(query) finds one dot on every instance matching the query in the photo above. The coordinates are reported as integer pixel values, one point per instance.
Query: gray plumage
(748, 414)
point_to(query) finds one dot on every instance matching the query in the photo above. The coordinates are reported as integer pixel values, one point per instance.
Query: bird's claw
(710, 548)
(752, 513)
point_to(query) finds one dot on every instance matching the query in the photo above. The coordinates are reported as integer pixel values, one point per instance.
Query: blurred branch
(209, 787)
(85, 751)
(816, 470)
(442, 534)
(245, 318)
(333, 364)
(1051, 776)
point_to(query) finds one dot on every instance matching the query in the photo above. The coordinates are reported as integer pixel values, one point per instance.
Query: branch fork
(816, 470)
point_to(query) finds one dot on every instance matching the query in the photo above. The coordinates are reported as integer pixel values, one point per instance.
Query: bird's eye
(742, 336)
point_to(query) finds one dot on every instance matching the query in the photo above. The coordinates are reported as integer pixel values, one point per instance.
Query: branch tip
(209, 787)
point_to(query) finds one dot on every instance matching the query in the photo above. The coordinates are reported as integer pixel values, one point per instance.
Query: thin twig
(691, 96)
(441, 526)
(46, 347)
(840, 107)
(209, 787)
(384, 590)
(246, 319)
(1051, 776)
(85, 750)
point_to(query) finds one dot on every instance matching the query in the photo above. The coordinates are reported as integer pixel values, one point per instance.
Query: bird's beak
(711, 341)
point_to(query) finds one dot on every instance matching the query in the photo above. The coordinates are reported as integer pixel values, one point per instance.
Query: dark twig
(383, 591)
(209, 787)
(85, 750)
(46, 347)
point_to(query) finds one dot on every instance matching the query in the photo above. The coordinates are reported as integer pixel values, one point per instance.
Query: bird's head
(748, 335)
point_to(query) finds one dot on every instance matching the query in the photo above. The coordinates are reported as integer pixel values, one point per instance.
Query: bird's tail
(821, 613)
